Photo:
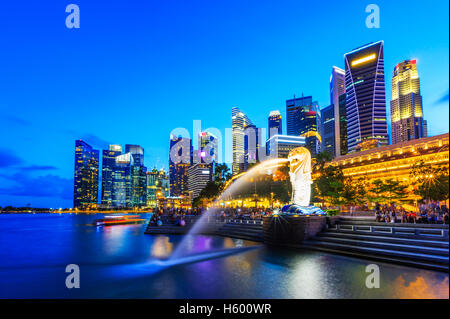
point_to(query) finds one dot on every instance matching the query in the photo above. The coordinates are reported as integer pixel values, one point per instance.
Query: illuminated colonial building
(395, 161)
(365, 95)
(239, 122)
(85, 193)
(406, 104)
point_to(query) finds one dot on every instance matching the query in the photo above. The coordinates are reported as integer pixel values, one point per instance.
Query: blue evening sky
(135, 70)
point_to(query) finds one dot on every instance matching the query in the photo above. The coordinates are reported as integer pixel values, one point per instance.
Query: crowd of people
(175, 215)
(428, 214)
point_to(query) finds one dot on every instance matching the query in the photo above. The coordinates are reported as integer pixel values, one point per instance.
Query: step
(405, 225)
(250, 229)
(387, 259)
(387, 252)
(239, 236)
(389, 234)
(389, 239)
(243, 233)
(385, 245)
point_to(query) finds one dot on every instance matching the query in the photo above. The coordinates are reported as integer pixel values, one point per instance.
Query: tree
(328, 185)
(387, 191)
(429, 182)
(221, 173)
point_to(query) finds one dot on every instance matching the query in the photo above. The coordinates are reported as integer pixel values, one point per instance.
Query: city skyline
(43, 125)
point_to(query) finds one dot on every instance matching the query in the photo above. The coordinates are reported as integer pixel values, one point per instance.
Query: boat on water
(119, 220)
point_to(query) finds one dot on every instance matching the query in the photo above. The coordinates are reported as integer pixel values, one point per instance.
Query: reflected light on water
(307, 279)
(421, 288)
(162, 248)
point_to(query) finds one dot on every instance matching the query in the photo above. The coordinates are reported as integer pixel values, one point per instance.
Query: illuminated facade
(198, 176)
(137, 175)
(395, 161)
(406, 104)
(365, 95)
(252, 146)
(303, 119)
(121, 181)
(85, 193)
(157, 187)
(337, 89)
(208, 148)
(180, 159)
(275, 124)
(280, 145)
(108, 169)
(328, 130)
(239, 121)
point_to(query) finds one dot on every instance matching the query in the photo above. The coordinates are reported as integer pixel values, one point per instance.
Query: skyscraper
(180, 159)
(252, 145)
(303, 119)
(343, 124)
(121, 181)
(108, 169)
(328, 130)
(406, 104)
(198, 176)
(239, 122)
(281, 145)
(337, 88)
(366, 100)
(208, 148)
(137, 172)
(85, 193)
(275, 123)
(157, 186)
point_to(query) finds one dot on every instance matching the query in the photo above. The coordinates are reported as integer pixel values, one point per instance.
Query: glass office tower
(366, 100)
(275, 124)
(108, 169)
(303, 119)
(239, 121)
(85, 193)
(180, 159)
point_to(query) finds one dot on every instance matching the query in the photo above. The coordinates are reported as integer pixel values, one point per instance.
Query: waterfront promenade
(416, 245)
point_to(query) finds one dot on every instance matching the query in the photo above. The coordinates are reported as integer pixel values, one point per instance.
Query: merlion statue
(300, 175)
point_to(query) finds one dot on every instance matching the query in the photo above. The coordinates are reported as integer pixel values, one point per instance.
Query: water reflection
(119, 262)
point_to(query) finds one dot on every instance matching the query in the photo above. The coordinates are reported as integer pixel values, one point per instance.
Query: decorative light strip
(364, 59)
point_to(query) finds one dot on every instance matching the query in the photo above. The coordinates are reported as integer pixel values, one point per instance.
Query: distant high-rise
(207, 148)
(108, 171)
(343, 124)
(328, 130)
(137, 176)
(252, 145)
(85, 193)
(198, 176)
(337, 88)
(406, 104)
(157, 186)
(239, 122)
(280, 145)
(365, 96)
(275, 124)
(180, 159)
(121, 181)
(303, 119)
